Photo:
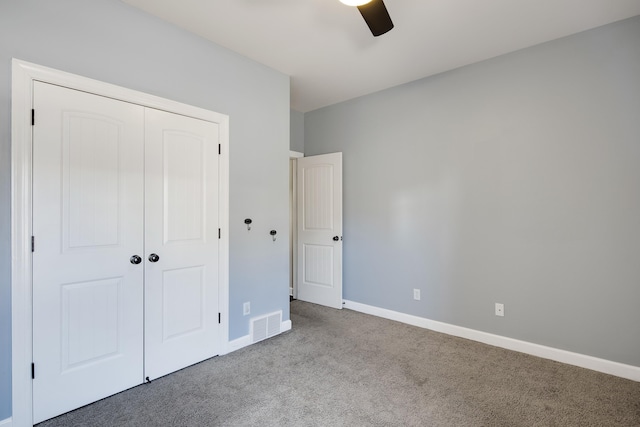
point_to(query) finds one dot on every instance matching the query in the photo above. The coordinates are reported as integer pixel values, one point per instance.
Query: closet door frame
(23, 76)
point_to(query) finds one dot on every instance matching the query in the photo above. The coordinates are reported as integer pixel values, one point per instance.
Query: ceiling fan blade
(376, 16)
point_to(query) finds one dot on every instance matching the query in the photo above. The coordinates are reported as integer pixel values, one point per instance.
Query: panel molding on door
(319, 202)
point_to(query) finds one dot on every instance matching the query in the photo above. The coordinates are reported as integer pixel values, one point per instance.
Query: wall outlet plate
(416, 294)
(499, 309)
(246, 308)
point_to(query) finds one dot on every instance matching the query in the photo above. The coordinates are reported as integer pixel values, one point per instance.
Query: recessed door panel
(185, 185)
(318, 213)
(318, 265)
(91, 323)
(182, 302)
(91, 192)
(87, 223)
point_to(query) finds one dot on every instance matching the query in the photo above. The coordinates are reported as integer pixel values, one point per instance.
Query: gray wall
(297, 131)
(514, 180)
(110, 41)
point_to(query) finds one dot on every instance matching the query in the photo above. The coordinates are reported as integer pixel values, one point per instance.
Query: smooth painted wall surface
(297, 131)
(112, 42)
(514, 180)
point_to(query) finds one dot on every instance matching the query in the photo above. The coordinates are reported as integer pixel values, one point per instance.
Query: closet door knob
(154, 258)
(336, 238)
(135, 259)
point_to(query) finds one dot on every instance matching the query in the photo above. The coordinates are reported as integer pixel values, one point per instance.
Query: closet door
(87, 226)
(181, 242)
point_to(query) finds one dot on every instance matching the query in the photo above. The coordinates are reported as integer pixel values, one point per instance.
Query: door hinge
(33, 244)
(218, 233)
(33, 371)
(33, 117)
(219, 149)
(219, 317)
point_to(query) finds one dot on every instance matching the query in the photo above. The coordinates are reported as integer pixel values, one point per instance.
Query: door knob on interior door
(336, 238)
(135, 259)
(154, 258)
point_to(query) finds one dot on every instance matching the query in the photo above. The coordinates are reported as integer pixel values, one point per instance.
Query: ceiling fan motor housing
(376, 16)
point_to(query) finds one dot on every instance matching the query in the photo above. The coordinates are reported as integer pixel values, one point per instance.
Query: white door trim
(293, 222)
(23, 76)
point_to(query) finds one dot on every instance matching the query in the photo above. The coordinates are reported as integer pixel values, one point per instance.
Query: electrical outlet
(246, 308)
(499, 309)
(416, 294)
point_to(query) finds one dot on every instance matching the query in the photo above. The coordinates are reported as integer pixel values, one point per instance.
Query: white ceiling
(331, 55)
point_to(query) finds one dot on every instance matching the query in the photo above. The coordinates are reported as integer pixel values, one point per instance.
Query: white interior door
(181, 287)
(125, 267)
(87, 224)
(320, 229)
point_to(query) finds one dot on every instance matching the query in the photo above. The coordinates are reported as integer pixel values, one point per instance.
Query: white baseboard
(568, 357)
(245, 341)
(5, 423)
(238, 343)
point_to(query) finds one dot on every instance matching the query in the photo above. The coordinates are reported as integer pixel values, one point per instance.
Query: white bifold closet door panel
(181, 287)
(87, 222)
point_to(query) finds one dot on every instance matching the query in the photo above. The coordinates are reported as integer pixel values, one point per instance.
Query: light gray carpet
(342, 368)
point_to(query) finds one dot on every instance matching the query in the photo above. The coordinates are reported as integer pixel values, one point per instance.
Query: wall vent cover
(266, 326)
